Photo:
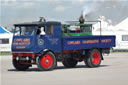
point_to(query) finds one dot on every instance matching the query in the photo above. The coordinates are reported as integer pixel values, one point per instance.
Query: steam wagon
(43, 43)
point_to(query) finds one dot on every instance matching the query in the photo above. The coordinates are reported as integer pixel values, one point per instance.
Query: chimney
(81, 19)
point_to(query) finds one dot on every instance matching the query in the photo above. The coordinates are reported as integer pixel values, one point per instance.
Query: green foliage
(5, 53)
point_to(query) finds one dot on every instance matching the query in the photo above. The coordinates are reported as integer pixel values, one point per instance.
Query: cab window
(24, 30)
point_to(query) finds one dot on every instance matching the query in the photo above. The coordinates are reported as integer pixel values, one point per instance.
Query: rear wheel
(69, 62)
(93, 58)
(46, 61)
(20, 67)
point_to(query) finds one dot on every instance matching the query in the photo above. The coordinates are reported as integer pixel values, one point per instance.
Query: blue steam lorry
(43, 43)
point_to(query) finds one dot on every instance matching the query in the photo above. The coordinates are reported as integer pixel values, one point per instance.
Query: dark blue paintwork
(82, 45)
(51, 42)
(28, 48)
(39, 42)
(57, 43)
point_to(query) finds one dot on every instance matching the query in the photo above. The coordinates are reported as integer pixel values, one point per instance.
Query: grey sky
(15, 11)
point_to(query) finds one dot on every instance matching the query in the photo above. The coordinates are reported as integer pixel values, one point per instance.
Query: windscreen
(24, 30)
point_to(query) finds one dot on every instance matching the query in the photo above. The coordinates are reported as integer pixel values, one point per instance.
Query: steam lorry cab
(45, 43)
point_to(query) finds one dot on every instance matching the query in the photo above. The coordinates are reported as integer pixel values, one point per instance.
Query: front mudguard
(43, 52)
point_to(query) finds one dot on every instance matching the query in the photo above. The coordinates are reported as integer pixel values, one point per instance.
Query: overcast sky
(13, 11)
(16, 11)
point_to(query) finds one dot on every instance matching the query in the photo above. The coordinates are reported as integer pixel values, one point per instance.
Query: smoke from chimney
(90, 7)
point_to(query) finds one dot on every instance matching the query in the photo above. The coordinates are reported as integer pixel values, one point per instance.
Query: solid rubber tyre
(46, 62)
(93, 58)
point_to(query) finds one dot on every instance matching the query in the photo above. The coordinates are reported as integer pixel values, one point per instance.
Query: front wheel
(93, 58)
(46, 61)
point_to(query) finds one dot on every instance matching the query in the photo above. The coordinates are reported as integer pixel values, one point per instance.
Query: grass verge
(5, 53)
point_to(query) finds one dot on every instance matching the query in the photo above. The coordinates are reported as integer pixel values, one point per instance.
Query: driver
(40, 30)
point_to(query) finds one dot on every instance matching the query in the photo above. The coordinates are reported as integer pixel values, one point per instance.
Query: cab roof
(38, 23)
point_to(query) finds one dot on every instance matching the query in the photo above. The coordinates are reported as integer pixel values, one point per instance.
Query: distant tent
(5, 39)
(3, 30)
(122, 26)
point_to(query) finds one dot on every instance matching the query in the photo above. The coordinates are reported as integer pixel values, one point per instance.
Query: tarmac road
(113, 71)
